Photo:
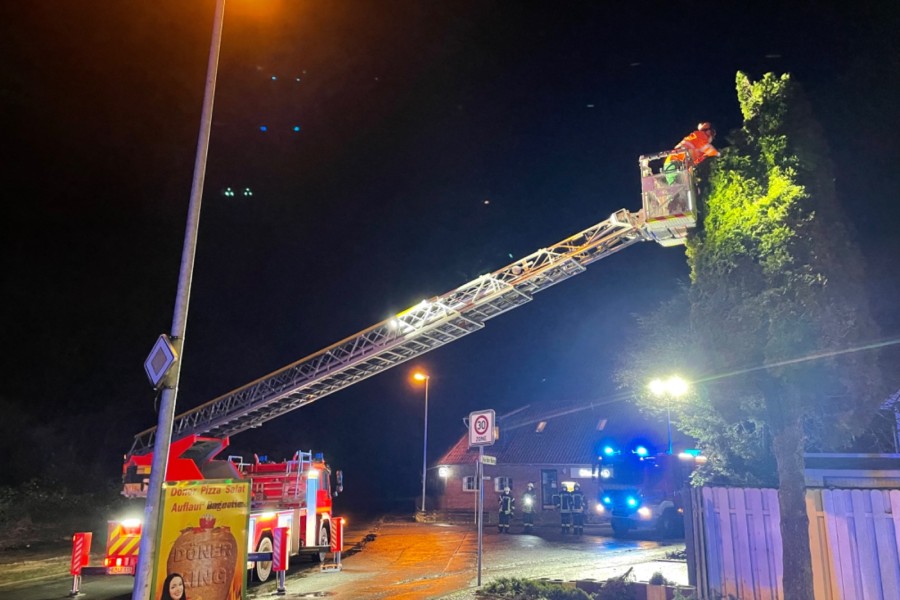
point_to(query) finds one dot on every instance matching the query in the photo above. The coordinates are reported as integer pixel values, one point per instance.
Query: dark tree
(777, 308)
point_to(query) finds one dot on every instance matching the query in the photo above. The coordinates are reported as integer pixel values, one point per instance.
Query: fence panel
(824, 581)
(854, 540)
(743, 556)
(863, 527)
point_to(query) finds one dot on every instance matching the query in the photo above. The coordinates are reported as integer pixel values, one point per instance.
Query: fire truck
(641, 490)
(667, 216)
(295, 493)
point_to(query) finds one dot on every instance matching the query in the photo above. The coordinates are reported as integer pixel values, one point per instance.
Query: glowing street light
(422, 376)
(673, 387)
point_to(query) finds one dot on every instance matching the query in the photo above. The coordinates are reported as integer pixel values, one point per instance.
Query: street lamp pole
(669, 422)
(424, 377)
(148, 550)
(425, 445)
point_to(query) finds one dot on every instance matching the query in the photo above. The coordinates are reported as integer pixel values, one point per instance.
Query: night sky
(409, 146)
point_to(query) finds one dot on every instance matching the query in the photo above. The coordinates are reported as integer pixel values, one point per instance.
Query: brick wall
(454, 499)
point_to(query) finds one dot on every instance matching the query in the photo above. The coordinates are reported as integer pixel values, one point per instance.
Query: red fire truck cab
(295, 493)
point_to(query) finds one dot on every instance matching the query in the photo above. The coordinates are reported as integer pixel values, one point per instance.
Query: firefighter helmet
(708, 128)
(506, 490)
(577, 486)
(530, 486)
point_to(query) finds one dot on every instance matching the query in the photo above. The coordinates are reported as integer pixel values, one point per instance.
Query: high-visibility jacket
(507, 503)
(698, 145)
(565, 501)
(577, 501)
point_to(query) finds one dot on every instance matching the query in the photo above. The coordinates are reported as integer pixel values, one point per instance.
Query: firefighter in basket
(697, 146)
(507, 504)
(529, 501)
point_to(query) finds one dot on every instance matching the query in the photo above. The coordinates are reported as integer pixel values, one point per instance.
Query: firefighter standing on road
(578, 505)
(507, 503)
(529, 498)
(564, 503)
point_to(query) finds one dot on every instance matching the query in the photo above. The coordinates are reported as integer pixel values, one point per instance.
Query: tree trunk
(788, 444)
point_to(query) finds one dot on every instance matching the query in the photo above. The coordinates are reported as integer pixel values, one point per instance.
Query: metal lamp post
(148, 550)
(420, 376)
(674, 386)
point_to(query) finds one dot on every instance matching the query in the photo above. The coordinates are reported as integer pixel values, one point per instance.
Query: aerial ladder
(668, 214)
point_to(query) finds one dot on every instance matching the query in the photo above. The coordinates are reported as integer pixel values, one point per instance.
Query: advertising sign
(203, 541)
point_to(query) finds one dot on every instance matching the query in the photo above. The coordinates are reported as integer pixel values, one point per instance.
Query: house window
(549, 488)
(502, 482)
(470, 484)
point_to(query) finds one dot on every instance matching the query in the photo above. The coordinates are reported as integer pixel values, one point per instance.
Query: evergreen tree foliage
(776, 279)
(776, 299)
(776, 308)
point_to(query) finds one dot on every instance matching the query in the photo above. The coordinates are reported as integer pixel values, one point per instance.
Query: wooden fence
(736, 546)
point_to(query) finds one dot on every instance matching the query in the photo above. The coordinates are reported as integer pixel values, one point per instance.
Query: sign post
(480, 510)
(482, 432)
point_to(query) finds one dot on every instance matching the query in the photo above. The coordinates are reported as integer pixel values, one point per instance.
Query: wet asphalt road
(407, 560)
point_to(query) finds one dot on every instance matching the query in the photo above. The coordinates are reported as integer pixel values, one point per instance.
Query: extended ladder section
(415, 331)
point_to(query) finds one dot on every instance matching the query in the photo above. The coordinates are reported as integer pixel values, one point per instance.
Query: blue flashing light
(692, 452)
(631, 501)
(263, 128)
(641, 451)
(296, 128)
(274, 77)
(607, 500)
(609, 450)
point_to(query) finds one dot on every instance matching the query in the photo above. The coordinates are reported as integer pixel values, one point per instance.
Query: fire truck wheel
(324, 540)
(670, 524)
(620, 527)
(264, 568)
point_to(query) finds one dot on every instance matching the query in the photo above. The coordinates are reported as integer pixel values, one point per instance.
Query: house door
(548, 487)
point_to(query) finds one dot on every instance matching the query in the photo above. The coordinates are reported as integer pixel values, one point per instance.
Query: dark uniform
(529, 504)
(578, 506)
(564, 502)
(507, 504)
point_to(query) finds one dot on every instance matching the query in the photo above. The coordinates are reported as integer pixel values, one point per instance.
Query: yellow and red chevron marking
(121, 543)
(77, 550)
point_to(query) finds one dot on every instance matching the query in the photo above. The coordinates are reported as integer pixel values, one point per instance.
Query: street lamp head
(420, 376)
(673, 386)
(677, 386)
(657, 387)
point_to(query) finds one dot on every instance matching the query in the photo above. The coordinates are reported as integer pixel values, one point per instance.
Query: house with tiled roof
(547, 447)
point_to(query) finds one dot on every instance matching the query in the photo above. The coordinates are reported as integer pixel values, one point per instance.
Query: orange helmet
(708, 128)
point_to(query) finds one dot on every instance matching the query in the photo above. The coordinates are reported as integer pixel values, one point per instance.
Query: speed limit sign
(482, 428)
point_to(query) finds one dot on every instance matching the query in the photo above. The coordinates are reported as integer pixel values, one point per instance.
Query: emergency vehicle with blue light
(640, 489)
